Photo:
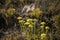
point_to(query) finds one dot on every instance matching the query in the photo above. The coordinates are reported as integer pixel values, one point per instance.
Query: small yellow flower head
(37, 12)
(11, 11)
(27, 23)
(30, 26)
(35, 20)
(47, 27)
(43, 23)
(41, 26)
(29, 20)
(43, 36)
(19, 18)
(21, 21)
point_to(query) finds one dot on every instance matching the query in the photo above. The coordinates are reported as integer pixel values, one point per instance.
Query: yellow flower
(35, 20)
(37, 12)
(29, 20)
(11, 11)
(21, 21)
(27, 23)
(43, 23)
(19, 18)
(30, 26)
(41, 26)
(47, 27)
(43, 36)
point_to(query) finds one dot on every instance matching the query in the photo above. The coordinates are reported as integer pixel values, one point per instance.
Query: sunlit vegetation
(11, 11)
(29, 19)
(37, 12)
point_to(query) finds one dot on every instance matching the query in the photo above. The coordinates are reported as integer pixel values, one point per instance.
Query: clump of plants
(36, 13)
(32, 30)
